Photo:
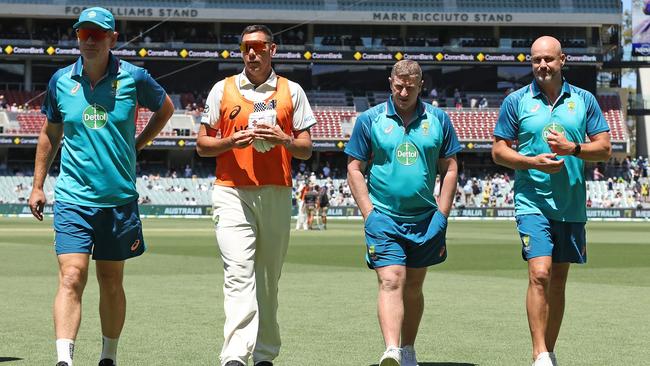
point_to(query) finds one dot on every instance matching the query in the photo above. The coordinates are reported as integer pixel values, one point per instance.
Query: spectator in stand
(476, 191)
(483, 103)
(326, 170)
(433, 94)
(323, 205)
(311, 204)
(3, 102)
(301, 221)
(467, 193)
(458, 100)
(597, 175)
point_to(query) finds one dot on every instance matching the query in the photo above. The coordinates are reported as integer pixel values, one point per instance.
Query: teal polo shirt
(403, 161)
(527, 115)
(98, 153)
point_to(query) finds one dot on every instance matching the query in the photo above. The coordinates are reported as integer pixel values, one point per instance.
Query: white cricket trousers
(252, 227)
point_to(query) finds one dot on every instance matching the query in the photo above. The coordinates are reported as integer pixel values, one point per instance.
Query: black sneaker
(234, 363)
(62, 363)
(264, 363)
(106, 362)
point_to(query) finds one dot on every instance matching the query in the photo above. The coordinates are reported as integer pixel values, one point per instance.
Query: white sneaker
(553, 358)
(408, 356)
(391, 357)
(543, 359)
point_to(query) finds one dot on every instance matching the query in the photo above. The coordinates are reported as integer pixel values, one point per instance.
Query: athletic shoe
(553, 358)
(543, 359)
(234, 363)
(264, 363)
(62, 363)
(408, 356)
(106, 362)
(392, 357)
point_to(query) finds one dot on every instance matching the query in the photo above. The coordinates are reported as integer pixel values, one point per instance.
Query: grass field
(474, 311)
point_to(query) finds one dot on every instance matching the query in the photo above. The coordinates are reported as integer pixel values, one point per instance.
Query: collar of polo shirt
(244, 83)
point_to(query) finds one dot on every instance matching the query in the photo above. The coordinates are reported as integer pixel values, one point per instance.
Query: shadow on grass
(441, 364)
(7, 359)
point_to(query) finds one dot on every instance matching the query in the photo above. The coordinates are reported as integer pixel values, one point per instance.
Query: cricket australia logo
(94, 117)
(406, 154)
(553, 126)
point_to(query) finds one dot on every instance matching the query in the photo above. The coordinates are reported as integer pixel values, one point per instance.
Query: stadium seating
(197, 191)
(329, 122)
(528, 6)
(30, 123)
(20, 97)
(326, 98)
(405, 5)
(330, 109)
(597, 6)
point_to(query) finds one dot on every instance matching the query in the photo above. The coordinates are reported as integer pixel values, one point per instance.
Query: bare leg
(112, 300)
(559, 276)
(413, 304)
(390, 305)
(73, 275)
(539, 276)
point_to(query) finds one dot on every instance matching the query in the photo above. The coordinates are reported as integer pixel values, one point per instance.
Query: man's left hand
(559, 143)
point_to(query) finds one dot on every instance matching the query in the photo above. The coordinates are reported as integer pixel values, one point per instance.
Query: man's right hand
(547, 163)
(37, 202)
(241, 139)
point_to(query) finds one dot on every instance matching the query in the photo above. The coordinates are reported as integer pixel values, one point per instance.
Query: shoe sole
(389, 362)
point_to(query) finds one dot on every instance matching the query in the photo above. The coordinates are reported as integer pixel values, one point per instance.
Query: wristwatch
(577, 150)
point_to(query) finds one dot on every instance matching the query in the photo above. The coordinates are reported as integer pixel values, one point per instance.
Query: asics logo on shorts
(135, 245)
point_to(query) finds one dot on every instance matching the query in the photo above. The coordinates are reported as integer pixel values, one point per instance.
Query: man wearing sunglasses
(92, 105)
(254, 123)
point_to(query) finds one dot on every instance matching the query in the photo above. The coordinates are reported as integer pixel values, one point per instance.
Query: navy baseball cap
(98, 16)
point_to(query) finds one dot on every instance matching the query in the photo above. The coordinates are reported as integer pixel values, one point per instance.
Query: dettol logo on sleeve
(407, 154)
(94, 116)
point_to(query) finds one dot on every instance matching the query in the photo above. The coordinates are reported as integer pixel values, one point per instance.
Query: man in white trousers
(263, 120)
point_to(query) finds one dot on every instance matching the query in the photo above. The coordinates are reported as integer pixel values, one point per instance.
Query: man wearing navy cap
(92, 105)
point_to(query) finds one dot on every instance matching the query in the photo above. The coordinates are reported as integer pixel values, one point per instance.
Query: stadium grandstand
(473, 53)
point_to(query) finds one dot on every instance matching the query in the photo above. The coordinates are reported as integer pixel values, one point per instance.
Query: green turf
(474, 311)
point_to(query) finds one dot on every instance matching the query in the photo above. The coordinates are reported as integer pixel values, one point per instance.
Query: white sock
(65, 350)
(109, 349)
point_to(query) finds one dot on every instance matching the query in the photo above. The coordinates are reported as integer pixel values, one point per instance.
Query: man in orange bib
(253, 123)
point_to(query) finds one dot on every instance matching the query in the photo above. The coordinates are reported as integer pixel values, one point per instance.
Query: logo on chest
(94, 117)
(233, 113)
(571, 106)
(553, 126)
(264, 106)
(535, 108)
(406, 154)
(425, 127)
